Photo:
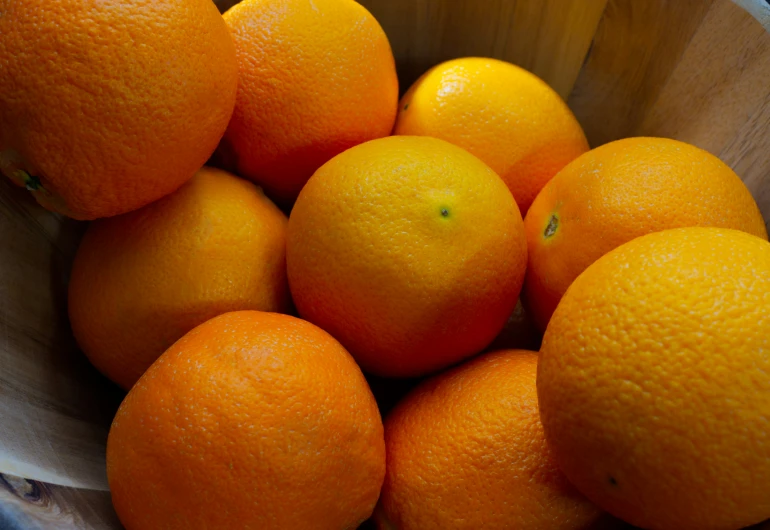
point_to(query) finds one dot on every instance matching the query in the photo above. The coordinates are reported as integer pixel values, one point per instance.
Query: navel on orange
(506, 116)
(409, 250)
(620, 191)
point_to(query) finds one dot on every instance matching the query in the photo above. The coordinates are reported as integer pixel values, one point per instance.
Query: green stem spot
(31, 182)
(553, 224)
(444, 212)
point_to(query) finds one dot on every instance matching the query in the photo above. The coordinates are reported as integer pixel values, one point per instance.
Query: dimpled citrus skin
(256, 421)
(466, 450)
(408, 250)
(111, 105)
(619, 191)
(653, 380)
(316, 77)
(506, 116)
(143, 279)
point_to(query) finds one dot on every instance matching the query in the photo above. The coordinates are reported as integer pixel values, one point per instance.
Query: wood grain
(718, 96)
(702, 75)
(722, 79)
(32, 505)
(547, 37)
(759, 9)
(55, 408)
(747, 153)
(696, 70)
(636, 47)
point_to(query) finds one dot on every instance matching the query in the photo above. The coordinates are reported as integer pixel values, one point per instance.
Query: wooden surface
(55, 408)
(759, 9)
(707, 82)
(722, 104)
(547, 37)
(32, 505)
(637, 45)
(696, 70)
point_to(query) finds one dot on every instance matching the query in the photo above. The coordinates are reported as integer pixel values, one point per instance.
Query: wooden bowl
(694, 70)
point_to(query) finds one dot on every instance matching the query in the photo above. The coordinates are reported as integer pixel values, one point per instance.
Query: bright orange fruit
(506, 116)
(255, 421)
(653, 380)
(316, 77)
(108, 106)
(409, 250)
(143, 279)
(466, 450)
(620, 191)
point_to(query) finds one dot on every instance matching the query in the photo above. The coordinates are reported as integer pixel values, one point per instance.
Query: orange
(466, 450)
(143, 279)
(506, 116)
(255, 421)
(619, 191)
(409, 250)
(653, 380)
(108, 106)
(316, 77)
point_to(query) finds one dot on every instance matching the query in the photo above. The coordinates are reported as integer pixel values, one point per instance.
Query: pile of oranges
(338, 231)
